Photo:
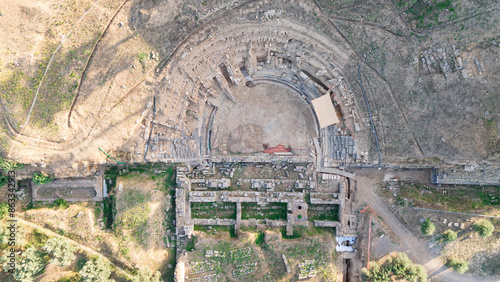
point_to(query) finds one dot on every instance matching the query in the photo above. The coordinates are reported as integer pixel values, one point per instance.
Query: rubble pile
(307, 269)
(203, 266)
(244, 269)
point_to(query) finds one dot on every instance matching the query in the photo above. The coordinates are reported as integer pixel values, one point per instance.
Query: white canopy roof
(325, 111)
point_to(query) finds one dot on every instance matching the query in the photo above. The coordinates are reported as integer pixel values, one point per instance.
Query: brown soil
(244, 126)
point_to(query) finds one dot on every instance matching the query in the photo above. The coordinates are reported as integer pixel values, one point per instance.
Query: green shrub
(8, 165)
(450, 235)
(95, 270)
(80, 263)
(460, 266)
(428, 227)
(191, 243)
(484, 228)
(400, 263)
(298, 232)
(4, 209)
(232, 232)
(40, 179)
(416, 273)
(3, 179)
(61, 203)
(401, 268)
(38, 238)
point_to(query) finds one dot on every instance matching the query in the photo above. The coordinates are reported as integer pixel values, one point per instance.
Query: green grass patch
(450, 235)
(251, 228)
(298, 231)
(216, 229)
(37, 239)
(323, 212)
(135, 215)
(312, 231)
(168, 275)
(272, 211)
(80, 263)
(8, 165)
(225, 210)
(232, 232)
(4, 210)
(204, 228)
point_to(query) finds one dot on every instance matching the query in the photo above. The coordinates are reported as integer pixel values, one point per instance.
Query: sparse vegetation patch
(214, 210)
(273, 211)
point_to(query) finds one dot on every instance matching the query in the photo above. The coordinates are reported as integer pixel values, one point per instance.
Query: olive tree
(428, 227)
(61, 251)
(96, 270)
(27, 265)
(400, 264)
(416, 273)
(400, 268)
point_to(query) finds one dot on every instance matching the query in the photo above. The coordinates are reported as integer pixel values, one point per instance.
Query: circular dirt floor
(264, 114)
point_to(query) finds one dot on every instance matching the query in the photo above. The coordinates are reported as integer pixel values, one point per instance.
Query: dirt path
(417, 249)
